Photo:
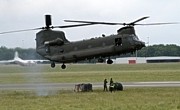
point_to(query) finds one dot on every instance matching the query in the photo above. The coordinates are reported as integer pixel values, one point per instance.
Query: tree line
(156, 50)
(26, 54)
(149, 51)
(160, 50)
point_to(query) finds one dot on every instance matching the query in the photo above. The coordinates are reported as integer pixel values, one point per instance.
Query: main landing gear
(109, 61)
(63, 66)
(53, 64)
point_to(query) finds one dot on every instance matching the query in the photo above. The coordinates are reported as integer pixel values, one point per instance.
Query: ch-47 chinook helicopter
(54, 46)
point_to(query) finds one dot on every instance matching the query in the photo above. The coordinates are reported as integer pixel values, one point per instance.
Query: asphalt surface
(70, 86)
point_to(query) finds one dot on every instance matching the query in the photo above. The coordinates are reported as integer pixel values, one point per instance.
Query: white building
(134, 60)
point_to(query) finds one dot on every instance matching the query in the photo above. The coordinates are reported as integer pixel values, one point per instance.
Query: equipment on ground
(118, 86)
(83, 87)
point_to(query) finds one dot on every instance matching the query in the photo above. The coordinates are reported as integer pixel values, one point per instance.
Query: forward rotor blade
(7, 32)
(76, 25)
(108, 23)
(158, 23)
(125, 24)
(133, 23)
(92, 22)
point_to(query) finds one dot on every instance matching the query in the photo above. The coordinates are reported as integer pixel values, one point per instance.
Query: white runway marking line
(60, 86)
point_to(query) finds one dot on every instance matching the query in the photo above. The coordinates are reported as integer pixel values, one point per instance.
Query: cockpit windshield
(135, 38)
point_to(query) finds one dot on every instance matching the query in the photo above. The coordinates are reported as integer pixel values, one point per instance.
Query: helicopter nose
(143, 44)
(140, 45)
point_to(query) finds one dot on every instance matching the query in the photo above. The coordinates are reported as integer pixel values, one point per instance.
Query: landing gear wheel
(109, 61)
(63, 66)
(53, 65)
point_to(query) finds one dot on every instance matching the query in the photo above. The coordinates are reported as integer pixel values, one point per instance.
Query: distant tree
(150, 51)
(8, 53)
(5, 53)
(160, 50)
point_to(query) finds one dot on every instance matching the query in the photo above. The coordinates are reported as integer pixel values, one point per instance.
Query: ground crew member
(105, 85)
(111, 82)
(111, 85)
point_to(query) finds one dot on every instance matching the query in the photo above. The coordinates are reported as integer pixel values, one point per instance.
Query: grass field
(132, 98)
(91, 73)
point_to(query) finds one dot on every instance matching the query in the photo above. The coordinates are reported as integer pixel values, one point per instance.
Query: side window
(118, 41)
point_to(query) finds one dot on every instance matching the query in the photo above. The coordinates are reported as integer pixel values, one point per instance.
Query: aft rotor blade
(67, 26)
(7, 32)
(76, 25)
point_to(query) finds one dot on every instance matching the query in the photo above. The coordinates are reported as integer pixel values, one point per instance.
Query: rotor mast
(48, 21)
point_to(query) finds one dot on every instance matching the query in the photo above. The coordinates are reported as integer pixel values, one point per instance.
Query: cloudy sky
(25, 14)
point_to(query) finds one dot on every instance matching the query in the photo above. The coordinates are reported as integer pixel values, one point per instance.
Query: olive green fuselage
(54, 46)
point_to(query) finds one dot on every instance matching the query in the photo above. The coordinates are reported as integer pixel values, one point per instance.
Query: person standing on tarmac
(105, 85)
(111, 85)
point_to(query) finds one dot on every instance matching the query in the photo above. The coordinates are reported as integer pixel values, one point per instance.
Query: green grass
(129, 99)
(90, 73)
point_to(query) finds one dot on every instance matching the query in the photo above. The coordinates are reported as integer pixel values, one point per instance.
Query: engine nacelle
(50, 37)
(57, 41)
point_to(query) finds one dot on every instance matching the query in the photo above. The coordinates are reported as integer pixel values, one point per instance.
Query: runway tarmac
(70, 86)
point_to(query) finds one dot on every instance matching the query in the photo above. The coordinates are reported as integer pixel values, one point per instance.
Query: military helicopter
(54, 46)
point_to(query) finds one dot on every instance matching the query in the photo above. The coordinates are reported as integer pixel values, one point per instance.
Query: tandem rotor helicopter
(54, 46)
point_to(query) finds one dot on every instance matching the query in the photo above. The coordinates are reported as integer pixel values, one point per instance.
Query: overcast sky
(25, 14)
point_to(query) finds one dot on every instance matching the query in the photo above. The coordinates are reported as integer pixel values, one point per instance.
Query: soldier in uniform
(105, 85)
(111, 85)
